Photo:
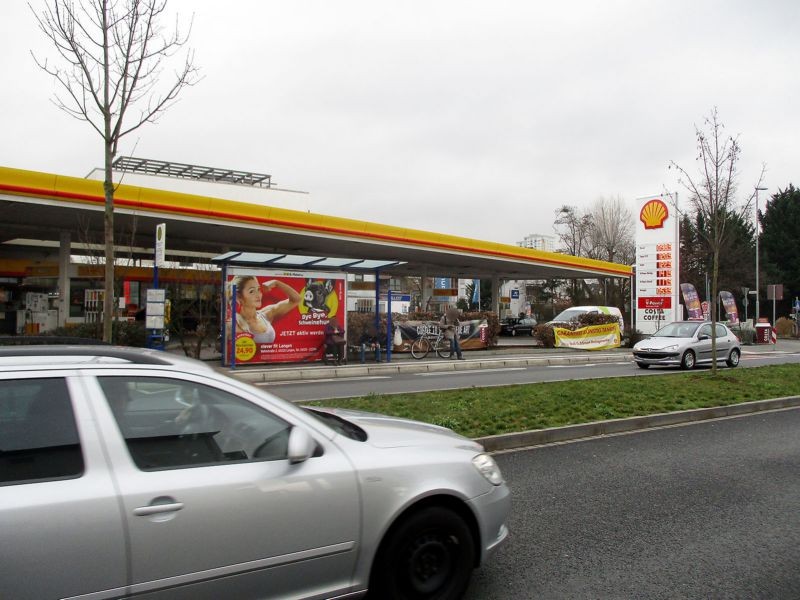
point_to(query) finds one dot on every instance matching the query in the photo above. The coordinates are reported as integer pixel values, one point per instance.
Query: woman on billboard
(254, 319)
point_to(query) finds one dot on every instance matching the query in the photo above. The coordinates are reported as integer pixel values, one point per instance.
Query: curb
(437, 366)
(540, 437)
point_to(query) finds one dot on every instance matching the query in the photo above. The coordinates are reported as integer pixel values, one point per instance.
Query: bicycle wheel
(443, 348)
(420, 347)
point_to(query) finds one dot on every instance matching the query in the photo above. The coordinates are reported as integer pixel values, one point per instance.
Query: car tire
(513, 332)
(688, 360)
(733, 358)
(642, 365)
(428, 555)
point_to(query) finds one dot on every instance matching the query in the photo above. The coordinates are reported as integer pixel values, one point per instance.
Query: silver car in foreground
(685, 344)
(137, 473)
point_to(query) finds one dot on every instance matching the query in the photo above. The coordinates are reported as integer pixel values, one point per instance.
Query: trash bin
(763, 333)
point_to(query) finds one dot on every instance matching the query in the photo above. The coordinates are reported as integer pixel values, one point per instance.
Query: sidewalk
(510, 353)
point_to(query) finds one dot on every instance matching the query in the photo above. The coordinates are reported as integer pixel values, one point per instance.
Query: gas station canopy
(43, 206)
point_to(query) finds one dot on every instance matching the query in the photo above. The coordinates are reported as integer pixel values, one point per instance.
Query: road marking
(325, 380)
(471, 371)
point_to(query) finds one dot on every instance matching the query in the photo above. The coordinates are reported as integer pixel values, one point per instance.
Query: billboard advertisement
(280, 316)
(472, 334)
(657, 260)
(591, 337)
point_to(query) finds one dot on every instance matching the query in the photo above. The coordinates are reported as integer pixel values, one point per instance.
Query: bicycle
(427, 342)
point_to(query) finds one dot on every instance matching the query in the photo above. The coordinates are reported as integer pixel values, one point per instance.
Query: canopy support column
(64, 251)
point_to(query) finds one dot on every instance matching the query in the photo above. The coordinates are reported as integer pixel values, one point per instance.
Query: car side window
(171, 423)
(704, 330)
(38, 437)
(721, 332)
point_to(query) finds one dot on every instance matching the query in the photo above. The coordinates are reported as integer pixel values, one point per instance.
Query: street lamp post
(758, 189)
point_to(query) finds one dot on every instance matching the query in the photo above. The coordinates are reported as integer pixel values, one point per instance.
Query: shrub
(129, 333)
(784, 327)
(746, 335)
(124, 333)
(634, 337)
(545, 335)
(359, 323)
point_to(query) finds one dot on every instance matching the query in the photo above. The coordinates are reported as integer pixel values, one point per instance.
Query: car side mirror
(301, 445)
(703, 336)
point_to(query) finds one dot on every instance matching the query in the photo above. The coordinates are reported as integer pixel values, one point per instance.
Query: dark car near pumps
(517, 326)
(686, 344)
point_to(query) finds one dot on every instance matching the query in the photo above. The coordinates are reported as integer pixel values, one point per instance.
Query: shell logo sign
(653, 214)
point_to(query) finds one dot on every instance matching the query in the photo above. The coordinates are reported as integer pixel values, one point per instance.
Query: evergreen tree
(779, 245)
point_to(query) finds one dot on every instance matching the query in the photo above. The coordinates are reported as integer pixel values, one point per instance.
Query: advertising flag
(692, 301)
(729, 303)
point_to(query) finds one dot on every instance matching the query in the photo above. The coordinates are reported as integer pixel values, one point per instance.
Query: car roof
(51, 356)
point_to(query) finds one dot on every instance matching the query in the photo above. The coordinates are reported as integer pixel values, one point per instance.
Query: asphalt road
(709, 510)
(345, 387)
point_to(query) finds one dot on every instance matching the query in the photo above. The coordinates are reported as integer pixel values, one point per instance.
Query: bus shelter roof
(295, 261)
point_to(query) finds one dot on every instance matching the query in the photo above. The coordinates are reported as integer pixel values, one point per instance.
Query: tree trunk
(713, 306)
(108, 226)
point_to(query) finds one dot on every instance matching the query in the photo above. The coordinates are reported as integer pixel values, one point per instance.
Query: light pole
(758, 189)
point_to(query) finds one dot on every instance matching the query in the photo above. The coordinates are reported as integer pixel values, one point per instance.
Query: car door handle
(155, 509)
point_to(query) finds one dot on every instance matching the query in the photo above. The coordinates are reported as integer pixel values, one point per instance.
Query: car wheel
(733, 358)
(688, 360)
(429, 555)
(513, 332)
(531, 332)
(642, 365)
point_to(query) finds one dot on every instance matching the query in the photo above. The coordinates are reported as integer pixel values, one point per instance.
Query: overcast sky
(471, 118)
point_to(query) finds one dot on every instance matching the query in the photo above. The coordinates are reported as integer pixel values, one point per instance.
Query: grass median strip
(477, 412)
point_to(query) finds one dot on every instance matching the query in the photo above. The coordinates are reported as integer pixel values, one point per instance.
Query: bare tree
(713, 197)
(572, 227)
(611, 238)
(602, 232)
(110, 57)
(611, 232)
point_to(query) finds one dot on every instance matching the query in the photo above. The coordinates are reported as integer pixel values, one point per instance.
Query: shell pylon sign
(657, 262)
(653, 214)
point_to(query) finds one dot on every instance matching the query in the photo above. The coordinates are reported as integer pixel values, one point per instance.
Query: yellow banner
(593, 337)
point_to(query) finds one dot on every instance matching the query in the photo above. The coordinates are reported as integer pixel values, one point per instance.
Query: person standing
(449, 325)
(335, 341)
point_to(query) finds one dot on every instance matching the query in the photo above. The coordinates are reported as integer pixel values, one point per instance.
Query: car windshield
(677, 330)
(569, 314)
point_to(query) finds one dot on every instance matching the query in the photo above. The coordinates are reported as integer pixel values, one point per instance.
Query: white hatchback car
(128, 472)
